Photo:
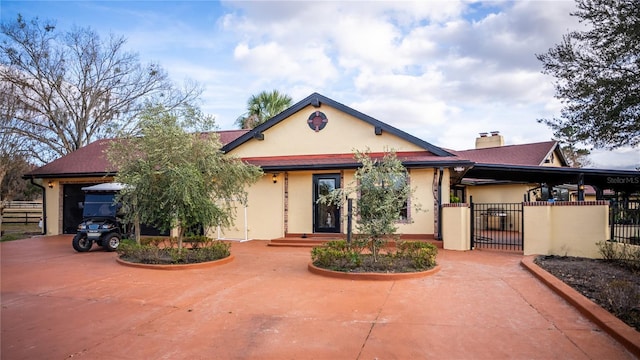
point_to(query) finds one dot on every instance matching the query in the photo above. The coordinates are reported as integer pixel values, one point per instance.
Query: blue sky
(443, 71)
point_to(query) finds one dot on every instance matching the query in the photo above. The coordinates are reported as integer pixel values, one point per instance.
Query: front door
(326, 218)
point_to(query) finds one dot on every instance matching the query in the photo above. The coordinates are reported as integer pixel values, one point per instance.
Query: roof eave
(355, 165)
(604, 178)
(68, 175)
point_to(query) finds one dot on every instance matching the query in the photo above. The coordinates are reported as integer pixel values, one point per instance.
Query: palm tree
(263, 107)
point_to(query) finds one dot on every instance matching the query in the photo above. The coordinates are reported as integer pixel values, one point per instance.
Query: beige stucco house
(308, 149)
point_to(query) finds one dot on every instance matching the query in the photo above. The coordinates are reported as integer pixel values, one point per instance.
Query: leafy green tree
(597, 75)
(382, 190)
(263, 107)
(177, 179)
(68, 89)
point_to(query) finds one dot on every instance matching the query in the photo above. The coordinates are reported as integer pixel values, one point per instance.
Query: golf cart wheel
(81, 243)
(111, 242)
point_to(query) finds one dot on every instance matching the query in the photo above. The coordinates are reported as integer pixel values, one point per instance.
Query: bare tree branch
(72, 88)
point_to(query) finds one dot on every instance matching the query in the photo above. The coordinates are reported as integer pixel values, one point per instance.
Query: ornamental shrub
(166, 251)
(409, 256)
(335, 255)
(422, 254)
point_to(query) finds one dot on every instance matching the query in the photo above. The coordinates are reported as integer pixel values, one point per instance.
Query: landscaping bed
(164, 251)
(401, 257)
(613, 285)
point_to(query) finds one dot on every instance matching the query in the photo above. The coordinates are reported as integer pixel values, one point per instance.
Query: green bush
(409, 256)
(164, 251)
(335, 255)
(421, 254)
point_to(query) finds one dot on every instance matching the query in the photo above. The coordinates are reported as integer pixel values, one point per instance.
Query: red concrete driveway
(59, 304)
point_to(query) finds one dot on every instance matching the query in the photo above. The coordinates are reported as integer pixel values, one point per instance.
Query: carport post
(349, 219)
(581, 187)
(439, 200)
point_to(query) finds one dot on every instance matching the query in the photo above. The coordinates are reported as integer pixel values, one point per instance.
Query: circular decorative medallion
(317, 121)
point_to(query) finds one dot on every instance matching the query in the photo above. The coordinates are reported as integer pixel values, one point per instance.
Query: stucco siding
(506, 193)
(342, 134)
(264, 212)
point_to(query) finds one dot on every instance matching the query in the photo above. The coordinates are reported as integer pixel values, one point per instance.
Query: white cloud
(440, 70)
(428, 68)
(273, 60)
(624, 158)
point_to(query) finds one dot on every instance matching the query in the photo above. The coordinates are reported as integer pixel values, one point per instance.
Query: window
(401, 181)
(377, 190)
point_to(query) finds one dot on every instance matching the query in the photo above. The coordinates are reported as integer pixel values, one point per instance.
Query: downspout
(44, 206)
(441, 170)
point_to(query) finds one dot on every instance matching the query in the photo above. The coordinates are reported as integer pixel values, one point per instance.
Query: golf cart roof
(107, 187)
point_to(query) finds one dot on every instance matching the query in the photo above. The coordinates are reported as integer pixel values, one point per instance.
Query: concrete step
(313, 240)
(300, 242)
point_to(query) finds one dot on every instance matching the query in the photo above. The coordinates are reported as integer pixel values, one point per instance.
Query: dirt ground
(610, 285)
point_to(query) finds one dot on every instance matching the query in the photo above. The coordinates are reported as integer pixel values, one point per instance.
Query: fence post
(612, 215)
(522, 224)
(472, 221)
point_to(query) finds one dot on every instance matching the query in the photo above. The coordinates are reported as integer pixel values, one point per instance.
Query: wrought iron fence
(624, 221)
(497, 226)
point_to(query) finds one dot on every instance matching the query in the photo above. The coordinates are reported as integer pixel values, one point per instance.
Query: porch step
(313, 240)
(300, 242)
(304, 240)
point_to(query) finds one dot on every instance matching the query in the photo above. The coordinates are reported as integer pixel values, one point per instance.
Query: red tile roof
(227, 136)
(91, 160)
(533, 154)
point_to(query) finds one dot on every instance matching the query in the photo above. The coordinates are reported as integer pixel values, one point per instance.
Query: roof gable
(315, 101)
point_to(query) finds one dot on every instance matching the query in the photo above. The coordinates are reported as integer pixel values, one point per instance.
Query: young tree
(382, 192)
(70, 89)
(263, 107)
(178, 179)
(597, 75)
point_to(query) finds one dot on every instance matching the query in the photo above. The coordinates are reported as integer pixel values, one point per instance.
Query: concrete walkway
(59, 304)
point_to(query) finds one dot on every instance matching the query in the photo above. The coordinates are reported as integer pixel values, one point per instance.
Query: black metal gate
(624, 219)
(497, 226)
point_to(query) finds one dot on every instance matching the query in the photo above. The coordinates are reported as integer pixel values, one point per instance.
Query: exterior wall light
(50, 184)
(274, 177)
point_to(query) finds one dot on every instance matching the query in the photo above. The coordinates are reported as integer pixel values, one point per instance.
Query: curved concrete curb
(202, 265)
(616, 328)
(371, 276)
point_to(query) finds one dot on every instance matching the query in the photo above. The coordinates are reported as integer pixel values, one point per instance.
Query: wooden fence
(22, 212)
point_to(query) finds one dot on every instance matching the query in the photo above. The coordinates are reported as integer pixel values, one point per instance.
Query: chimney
(484, 141)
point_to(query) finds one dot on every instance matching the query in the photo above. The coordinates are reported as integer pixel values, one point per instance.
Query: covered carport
(623, 182)
(624, 200)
